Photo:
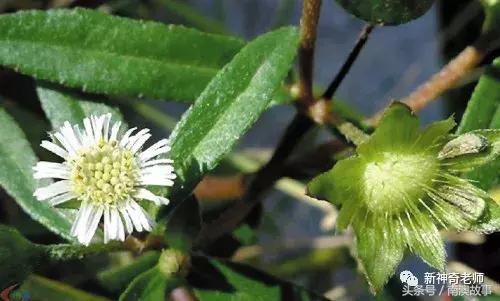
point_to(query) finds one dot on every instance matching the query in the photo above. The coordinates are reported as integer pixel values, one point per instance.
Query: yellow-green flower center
(105, 174)
(396, 181)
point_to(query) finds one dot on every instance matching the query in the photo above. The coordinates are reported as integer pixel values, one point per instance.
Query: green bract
(403, 185)
(387, 12)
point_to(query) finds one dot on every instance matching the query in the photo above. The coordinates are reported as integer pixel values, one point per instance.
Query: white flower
(107, 173)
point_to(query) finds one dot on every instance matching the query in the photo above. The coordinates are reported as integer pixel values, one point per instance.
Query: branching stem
(353, 55)
(458, 68)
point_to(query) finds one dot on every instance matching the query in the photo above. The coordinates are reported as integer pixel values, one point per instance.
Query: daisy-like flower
(107, 173)
(402, 186)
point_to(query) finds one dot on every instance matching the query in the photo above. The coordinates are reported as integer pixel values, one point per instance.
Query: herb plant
(139, 219)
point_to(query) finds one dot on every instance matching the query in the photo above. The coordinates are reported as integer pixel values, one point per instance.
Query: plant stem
(353, 55)
(458, 68)
(308, 31)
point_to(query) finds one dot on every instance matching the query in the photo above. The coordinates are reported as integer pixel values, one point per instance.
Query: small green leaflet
(61, 106)
(100, 53)
(214, 280)
(16, 177)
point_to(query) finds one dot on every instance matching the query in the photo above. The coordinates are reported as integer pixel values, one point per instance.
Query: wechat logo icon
(408, 278)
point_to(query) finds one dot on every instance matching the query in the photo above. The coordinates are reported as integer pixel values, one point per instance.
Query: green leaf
(61, 106)
(194, 17)
(484, 103)
(379, 251)
(40, 287)
(100, 53)
(64, 252)
(214, 280)
(490, 221)
(386, 12)
(151, 285)
(117, 278)
(229, 106)
(183, 225)
(34, 127)
(157, 282)
(18, 256)
(483, 111)
(16, 177)
(487, 154)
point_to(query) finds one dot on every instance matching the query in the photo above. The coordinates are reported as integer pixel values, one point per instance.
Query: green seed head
(396, 179)
(105, 174)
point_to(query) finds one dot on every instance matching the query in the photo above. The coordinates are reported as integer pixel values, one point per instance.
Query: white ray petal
(97, 124)
(128, 223)
(54, 148)
(94, 222)
(131, 141)
(156, 182)
(89, 132)
(60, 137)
(52, 174)
(61, 198)
(139, 143)
(158, 170)
(143, 193)
(107, 227)
(52, 190)
(113, 226)
(134, 216)
(115, 219)
(143, 217)
(70, 136)
(157, 162)
(154, 150)
(82, 212)
(107, 120)
(114, 131)
(126, 136)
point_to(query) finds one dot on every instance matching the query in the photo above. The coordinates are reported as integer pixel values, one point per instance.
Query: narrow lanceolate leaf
(229, 105)
(18, 256)
(483, 111)
(157, 282)
(150, 285)
(100, 53)
(386, 12)
(485, 101)
(61, 106)
(54, 290)
(214, 280)
(117, 278)
(16, 177)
